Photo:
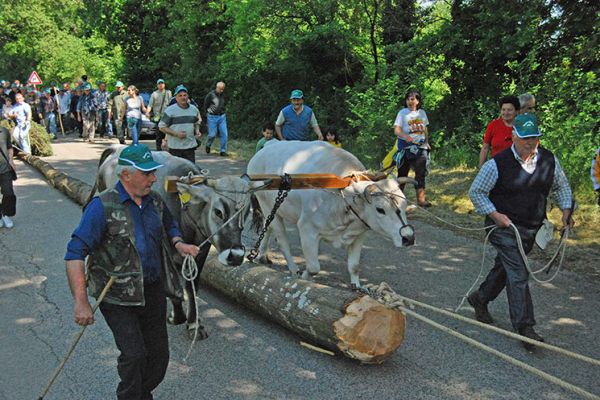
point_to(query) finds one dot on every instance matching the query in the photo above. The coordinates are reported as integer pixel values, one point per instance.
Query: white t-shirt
(413, 123)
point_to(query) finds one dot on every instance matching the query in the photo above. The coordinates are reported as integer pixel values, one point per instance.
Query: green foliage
(38, 138)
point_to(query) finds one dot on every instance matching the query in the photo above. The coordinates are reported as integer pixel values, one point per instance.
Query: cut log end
(369, 332)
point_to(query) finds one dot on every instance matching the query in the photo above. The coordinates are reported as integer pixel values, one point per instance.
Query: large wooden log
(336, 319)
(339, 320)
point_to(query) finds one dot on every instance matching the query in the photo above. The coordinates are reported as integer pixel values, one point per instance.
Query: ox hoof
(176, 319)
(202, 332)
(355, 288)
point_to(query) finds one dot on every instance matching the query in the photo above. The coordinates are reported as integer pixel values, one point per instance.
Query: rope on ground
(386, 295)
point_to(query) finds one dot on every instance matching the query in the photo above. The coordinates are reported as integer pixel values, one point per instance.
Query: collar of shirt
(124, 196)
(528, 165)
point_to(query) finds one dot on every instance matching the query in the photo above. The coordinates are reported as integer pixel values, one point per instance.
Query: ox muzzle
(407, 232)
(233, 256)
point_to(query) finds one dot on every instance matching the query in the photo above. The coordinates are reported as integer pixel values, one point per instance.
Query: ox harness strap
(284, 188)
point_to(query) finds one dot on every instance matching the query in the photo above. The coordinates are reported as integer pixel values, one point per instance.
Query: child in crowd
(6, 107)
(332, 138)
(267, 132)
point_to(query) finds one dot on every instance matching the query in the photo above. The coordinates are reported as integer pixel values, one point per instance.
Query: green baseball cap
(87, 86)
(296, 94)
(119, 84)
(160, 81)
(180, 88)
(138, 156)
(526, 126)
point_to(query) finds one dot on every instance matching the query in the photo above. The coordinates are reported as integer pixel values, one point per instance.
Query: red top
(498, 136)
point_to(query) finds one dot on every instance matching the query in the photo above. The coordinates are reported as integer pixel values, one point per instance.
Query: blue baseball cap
(87, 86)
(526, 126)
(160, 81)
(138, 156)
(180, 88)
(119, 84)
(296, 94)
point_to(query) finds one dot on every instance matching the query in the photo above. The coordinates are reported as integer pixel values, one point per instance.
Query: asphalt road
(247, 356)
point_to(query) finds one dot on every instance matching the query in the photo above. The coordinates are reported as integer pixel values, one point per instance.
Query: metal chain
(284, 189)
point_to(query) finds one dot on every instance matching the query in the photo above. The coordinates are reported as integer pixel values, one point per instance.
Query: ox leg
(309, 241)
(354, 260)
(284, 244)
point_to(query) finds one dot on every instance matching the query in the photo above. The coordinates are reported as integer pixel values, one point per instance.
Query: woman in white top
(135, 108)
(413, 143)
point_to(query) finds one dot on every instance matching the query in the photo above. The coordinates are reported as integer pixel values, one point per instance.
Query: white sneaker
(7, 221)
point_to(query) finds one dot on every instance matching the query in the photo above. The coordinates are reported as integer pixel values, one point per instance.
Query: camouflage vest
(117, 256)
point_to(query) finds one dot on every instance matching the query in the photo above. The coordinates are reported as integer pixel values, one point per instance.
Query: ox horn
(404, 180)
(368, 192)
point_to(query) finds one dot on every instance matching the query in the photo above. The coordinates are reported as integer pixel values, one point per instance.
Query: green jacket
(116, 104)
(117, 256)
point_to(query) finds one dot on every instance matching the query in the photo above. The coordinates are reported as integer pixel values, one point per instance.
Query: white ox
(340, 217)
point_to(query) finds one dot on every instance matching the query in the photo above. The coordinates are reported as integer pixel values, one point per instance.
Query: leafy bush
(38, 138)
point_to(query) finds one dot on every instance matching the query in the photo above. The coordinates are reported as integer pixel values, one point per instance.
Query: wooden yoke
(299, 181)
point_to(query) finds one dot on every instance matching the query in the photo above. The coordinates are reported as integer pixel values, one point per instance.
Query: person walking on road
(214, 104)
(104, 126)
(122, 232)
(49, 109)
(8, 174)
(116, 111)
(295, 119)
(64, 104)
(135, 108)
(181, 125)
(21, 113)
(159, 101)
(512, 188)
(87, 113)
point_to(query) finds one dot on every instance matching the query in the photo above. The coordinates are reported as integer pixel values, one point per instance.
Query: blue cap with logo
(138, 156)
(526, 126)
(180, 88)
(296, 94)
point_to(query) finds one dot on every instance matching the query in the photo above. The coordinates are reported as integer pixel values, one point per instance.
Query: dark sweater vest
(520, 195)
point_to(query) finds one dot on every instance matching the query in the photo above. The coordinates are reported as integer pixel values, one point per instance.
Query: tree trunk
(339, 320)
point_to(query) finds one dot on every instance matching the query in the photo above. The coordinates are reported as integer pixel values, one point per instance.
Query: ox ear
(192, 194)
(368, 192)
(404, 180)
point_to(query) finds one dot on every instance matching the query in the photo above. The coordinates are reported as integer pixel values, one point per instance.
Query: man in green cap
(116, 111)
(511, 189)
(87, 112)
(159, 101)
(123, 232)
(294, 120)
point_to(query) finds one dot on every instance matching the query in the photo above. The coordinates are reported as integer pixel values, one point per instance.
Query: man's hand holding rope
(184, 248)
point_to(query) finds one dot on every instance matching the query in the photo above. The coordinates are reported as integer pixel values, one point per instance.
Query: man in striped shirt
(181, 125)
(512, 188)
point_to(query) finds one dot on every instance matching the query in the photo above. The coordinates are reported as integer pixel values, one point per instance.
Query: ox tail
(105, 154)
(257, 214)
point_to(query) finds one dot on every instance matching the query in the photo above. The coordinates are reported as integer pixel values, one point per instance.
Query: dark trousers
(418, 164)
(103, 122)
(509, 271)
(140, 333)
(9, 200)
(119, 126)
(188, 154)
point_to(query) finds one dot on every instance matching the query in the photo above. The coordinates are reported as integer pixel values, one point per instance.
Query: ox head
(384, 209)
(216, 209)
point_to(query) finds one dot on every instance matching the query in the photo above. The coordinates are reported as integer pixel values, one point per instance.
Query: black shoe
(528, 331)
(481, 311)
(223, 154)
(122, 141)
(207, 149)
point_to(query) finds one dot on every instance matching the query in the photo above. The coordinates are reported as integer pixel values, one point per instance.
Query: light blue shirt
(23, 111)
(488, 176)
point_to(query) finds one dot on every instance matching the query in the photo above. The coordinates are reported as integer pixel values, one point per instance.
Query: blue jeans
(217, 123)
(50, 122)
(134, 125)
(509, 271)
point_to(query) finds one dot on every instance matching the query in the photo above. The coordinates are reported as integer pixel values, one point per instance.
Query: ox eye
(380, 210)
(218, 213)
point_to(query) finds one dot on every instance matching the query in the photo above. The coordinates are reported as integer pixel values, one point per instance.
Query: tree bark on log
(339, 320)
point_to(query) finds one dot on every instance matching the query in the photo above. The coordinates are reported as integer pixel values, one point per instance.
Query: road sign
(34, 79)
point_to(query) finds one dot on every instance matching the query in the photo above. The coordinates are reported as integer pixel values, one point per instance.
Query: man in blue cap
(87, 112)
(181, 125)
(512, 189)
(294, 120)
(123, 232)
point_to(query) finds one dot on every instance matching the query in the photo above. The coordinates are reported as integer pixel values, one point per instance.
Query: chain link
(284, 189)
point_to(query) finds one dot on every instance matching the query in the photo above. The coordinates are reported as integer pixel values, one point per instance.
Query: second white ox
(340, 217)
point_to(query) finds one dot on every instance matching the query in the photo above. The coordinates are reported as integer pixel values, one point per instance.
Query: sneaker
(223, 154)
(207, 149)
(528, 331)
(7, 222)
(122, 141)
(481, 311)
